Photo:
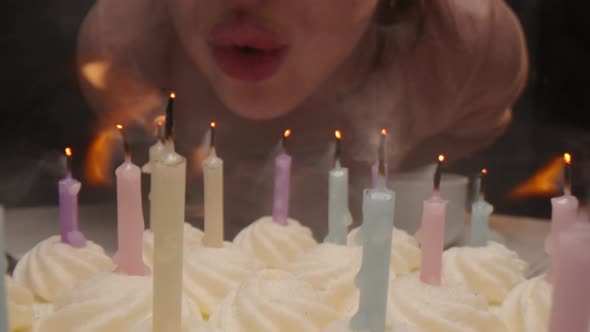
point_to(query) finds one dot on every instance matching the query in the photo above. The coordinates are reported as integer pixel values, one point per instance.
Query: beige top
(449, 90)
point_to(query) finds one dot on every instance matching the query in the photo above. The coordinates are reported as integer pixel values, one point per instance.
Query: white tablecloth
(26, 227)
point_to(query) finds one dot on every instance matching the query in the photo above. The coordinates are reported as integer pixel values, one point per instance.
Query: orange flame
(338, 134)
(484, 171)
(544, 183)
(384, 132)
(567, 158)
(173, 95)
(213, 125)
(69, 152)
(441, 158)
(119, 127)
(287, 133)
(100, 158)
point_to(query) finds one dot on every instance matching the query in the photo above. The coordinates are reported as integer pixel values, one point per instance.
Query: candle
(432, 232)
(168, 209)
(339, 217)
(374, 168)
(480, 216)
(68, 207)
(129, 217)
(373, 277)
(157, 149)
(3, 299)
(571, 302)
(564, 212)
(282, 184)
(213, 184)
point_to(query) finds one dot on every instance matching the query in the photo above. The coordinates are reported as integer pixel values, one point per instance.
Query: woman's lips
(247, 52)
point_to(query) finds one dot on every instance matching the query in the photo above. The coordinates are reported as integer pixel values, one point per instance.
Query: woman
(440, 75)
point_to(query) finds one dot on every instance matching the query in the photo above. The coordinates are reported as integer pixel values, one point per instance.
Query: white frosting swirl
(527, 306)
(192, 237)
(211, 273)
(491, 271)
(20, 305)
(52, 267)
(405, 251)
(146, 326)
(331, 269)
(273, 243)
(344, 326)
(109, 302)
(441, 308)
(273, 300)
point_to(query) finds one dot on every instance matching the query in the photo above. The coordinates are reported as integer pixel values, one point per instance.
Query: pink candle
(564, 212)
(571, 299)
(130, 223)
(282, 184)
(432, 233)
(68, 207)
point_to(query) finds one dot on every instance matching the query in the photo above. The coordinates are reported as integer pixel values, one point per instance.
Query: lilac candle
(282, 184)
(68, 207)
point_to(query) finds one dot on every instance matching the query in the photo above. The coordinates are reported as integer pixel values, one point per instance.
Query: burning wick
(381, 154)
(285, 140)
(567, 158)
(482, 182)
(438, 173)
(69, 155)
(126, 147)
(160, 130)
(170, 117)
(212, 135)
(338, 152)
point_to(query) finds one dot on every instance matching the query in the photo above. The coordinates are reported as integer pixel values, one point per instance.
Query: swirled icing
(527, 306)
(52, 267)
(331, 269)
(212, 273)
(441, 308)
(20, 305)
(109, 302)
(273, 300)
(491, 271)
(273, 243)
(405, 251)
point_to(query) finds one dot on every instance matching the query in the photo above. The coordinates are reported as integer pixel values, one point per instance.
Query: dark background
(43, 110)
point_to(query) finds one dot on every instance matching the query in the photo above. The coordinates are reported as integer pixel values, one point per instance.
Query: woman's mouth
(247, 52)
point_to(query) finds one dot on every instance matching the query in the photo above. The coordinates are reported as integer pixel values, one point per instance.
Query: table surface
(26, 227)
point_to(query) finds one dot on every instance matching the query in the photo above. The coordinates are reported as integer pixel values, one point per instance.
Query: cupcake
(273, 300)
(52, 267)
(275, 244)
(491, 271)
(445, 308)
(331, 269)
(212, 273)
(405, 251)
(20, 305)
(109, 302)
(527, 307)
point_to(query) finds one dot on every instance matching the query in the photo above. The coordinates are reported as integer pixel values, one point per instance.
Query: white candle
(213, 184)
(339, 217)
(168, 208)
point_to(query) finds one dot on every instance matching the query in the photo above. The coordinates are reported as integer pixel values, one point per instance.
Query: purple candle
(68, 207)
(282, 186)
(375, 167)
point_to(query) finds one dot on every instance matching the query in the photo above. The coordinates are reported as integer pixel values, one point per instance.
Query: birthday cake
(274, 276)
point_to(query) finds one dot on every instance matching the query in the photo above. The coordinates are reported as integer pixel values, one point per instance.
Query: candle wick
(170, 117)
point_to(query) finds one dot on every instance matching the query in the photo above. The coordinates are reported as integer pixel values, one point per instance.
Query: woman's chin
(260, 106)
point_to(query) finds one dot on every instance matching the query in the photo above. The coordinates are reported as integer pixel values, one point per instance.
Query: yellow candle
(168, 208)
(213, 182)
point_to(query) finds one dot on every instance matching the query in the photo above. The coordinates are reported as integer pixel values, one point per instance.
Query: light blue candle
(373, 278)
(480, 216)
(3, 307)
(339, 217)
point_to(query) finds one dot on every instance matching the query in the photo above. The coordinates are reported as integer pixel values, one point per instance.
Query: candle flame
(484, 171)
(567, 158)
(213, 125)
(287, 133)
(384, 132)
(338, 134)
(441, 158)
(173, 95)
(119, 127)
(69, 152)
(544, 183)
